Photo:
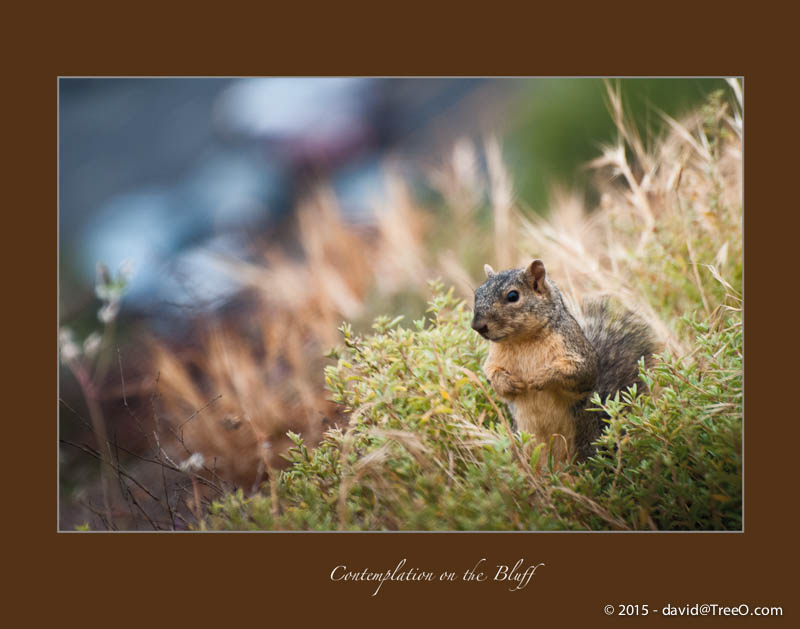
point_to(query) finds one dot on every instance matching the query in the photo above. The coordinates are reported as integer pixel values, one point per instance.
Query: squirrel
(546, 366)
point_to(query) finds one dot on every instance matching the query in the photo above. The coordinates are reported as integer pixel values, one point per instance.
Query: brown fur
(526, 374)
(545, 365)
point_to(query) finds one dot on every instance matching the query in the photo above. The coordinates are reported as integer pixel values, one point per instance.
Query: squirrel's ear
(535, 275)
(490, 272)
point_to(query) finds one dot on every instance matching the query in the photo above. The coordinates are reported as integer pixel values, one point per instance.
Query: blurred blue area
(161, 170)
(158, 170)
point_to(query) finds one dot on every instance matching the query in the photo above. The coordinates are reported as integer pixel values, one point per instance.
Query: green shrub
(672, 459)
(429, 446)
(426, 448)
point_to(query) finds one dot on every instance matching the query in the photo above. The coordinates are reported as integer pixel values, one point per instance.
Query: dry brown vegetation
(236, 392)
(263, 376)
(267, 378)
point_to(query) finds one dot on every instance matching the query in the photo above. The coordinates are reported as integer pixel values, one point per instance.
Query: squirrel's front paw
(505, 384)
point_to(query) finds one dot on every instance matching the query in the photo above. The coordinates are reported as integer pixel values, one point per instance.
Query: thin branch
(197, 412)
(116, 468)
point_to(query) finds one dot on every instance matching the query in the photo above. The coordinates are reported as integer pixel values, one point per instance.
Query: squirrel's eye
(513, 296)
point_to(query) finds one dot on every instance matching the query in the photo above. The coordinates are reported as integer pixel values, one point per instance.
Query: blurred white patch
(193, 464)
(286, 107)
(200, 277)
(92, 344)
(69, 349)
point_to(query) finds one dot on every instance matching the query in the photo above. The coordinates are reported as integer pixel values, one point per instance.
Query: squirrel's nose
(480, 327)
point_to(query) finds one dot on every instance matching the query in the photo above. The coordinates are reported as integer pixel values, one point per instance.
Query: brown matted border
(161, 579)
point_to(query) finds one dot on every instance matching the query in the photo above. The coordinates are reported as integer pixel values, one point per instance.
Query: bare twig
(116, 468)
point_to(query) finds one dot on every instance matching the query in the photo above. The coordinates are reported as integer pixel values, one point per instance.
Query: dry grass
(682, 186)
(268, 378)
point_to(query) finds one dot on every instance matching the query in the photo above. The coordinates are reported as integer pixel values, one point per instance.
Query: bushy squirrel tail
(620, 339)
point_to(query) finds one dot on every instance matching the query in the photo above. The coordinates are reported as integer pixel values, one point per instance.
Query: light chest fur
(541, 412)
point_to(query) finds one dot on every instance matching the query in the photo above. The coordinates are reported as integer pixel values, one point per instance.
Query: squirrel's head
(515, 303)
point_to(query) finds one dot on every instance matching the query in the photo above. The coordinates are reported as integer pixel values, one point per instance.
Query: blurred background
(247, 218)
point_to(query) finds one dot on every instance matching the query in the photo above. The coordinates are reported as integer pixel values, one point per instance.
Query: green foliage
(426, 449)
(672, 458)
(429, 445)
(557, 129)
